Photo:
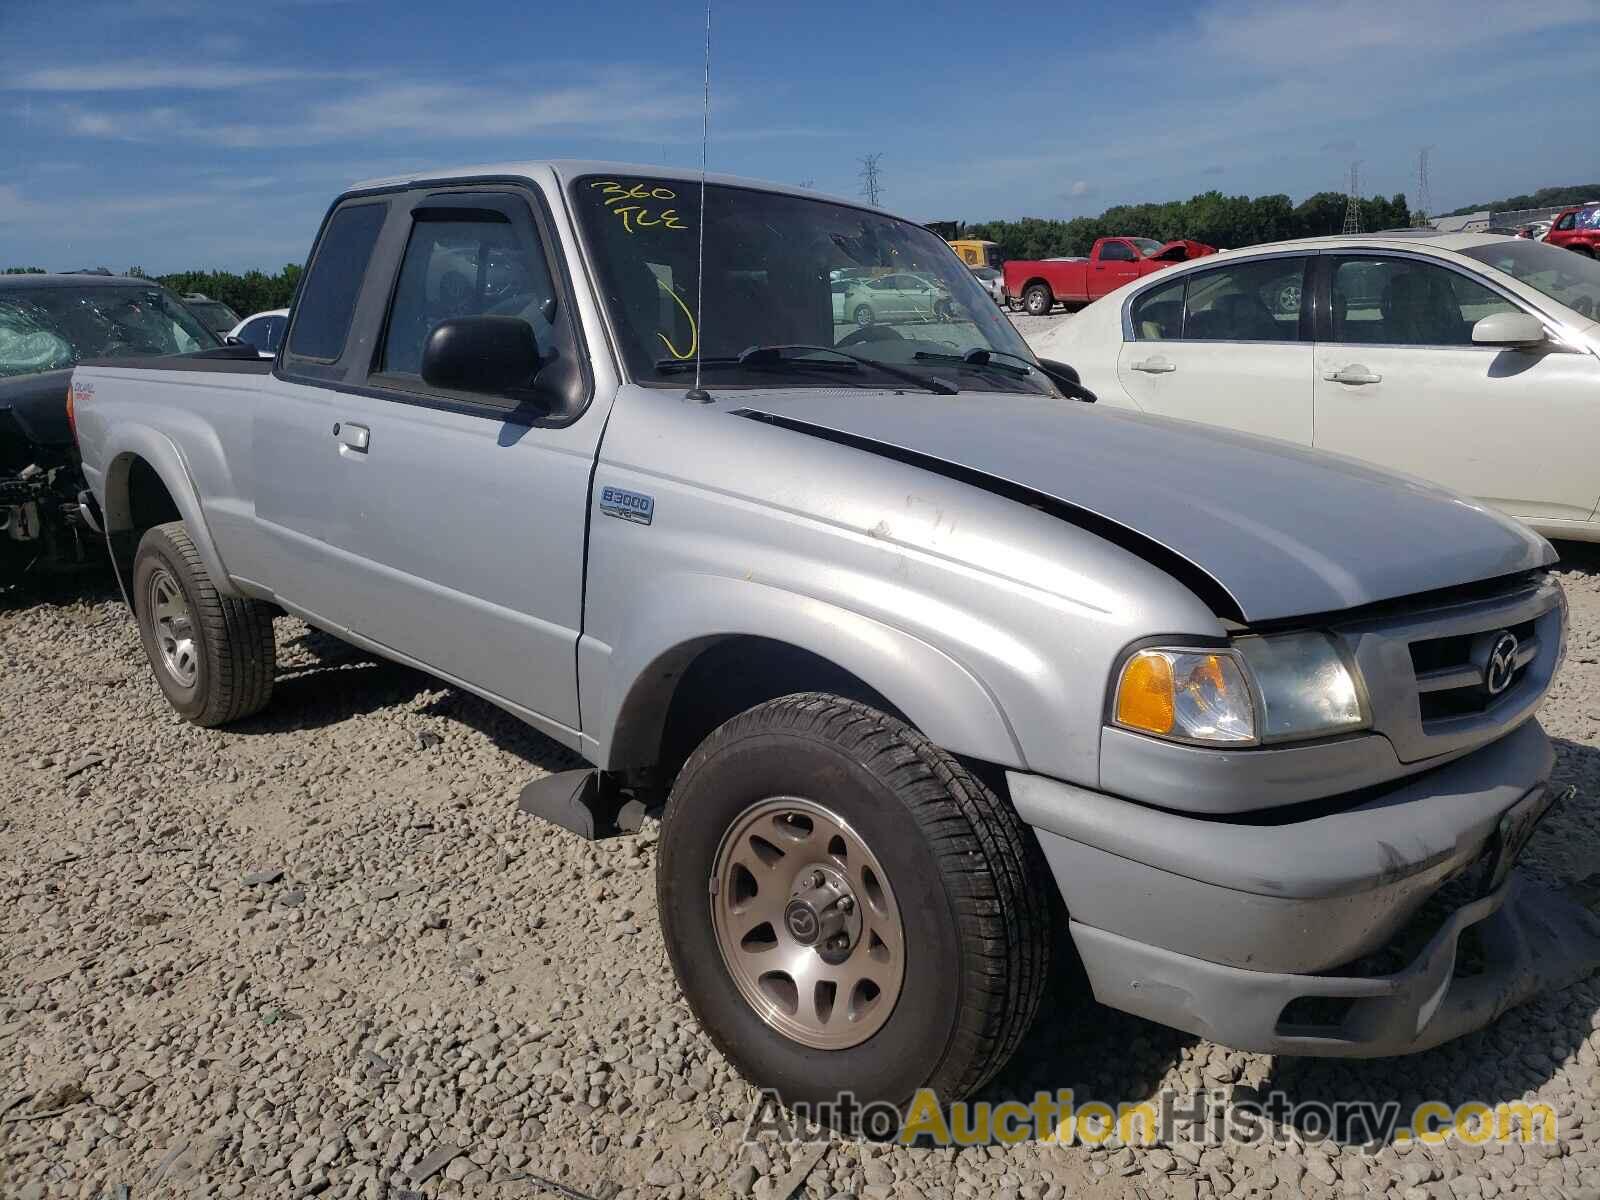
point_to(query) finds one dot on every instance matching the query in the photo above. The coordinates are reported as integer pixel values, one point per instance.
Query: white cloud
(131, 77)
(1080, 188)
(1291, 34)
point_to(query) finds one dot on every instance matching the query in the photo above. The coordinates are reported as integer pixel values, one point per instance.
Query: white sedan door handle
(1154, 366)
(1354, 373)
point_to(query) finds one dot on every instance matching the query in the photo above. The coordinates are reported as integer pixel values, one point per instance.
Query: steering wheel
(870, 333)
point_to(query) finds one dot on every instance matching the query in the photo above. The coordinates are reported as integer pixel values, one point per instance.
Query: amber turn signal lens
(1145, 699)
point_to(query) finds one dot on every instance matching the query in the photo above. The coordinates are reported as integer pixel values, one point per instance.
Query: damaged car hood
(1284, 531)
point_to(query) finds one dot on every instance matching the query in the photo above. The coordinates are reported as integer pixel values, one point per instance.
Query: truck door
(466, 513)
(302, 518)
(1115, 263)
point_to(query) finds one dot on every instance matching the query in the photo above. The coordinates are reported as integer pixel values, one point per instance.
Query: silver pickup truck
(943, 668)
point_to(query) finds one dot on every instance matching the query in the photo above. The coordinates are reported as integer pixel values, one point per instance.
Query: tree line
(1226, 222)
(251, 292)
(1549, 197)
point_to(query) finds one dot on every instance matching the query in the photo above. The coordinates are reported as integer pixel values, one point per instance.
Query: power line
(871, 184)
(1352, 208)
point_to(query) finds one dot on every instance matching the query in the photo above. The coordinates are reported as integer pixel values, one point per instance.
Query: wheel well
(149, 502)
(1037, 282)
(136, 500)
(692, 690)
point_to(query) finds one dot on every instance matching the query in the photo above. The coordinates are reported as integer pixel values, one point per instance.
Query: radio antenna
(698, 394)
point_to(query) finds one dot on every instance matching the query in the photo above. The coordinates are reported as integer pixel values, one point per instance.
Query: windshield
(216, 315)
(986, 273)
(1567, 278)
(789, 271)
(1147, 246)
(53, 328)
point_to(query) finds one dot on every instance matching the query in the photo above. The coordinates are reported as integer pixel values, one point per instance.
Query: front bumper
(1246, 933)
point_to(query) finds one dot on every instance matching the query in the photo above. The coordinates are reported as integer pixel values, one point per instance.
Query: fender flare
(166, 460)
(934, 691)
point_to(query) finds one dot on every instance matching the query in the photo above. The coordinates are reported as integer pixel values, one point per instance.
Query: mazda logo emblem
(1502, 665)
(802, 922)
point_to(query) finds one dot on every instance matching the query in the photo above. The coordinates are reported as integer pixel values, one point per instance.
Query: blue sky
(181, 133)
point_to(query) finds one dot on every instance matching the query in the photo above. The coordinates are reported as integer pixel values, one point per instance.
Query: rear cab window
(327, 301)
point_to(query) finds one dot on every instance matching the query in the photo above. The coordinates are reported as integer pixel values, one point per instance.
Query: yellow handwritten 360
(625, 200)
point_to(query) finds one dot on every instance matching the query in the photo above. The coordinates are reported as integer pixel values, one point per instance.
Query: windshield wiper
(980, 356)
(769, 356)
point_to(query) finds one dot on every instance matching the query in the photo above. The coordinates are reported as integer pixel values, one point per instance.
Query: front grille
(1450, 671)
(1426, 668)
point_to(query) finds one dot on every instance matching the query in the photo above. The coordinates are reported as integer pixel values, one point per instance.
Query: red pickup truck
(1113, 261)
(1577, 229)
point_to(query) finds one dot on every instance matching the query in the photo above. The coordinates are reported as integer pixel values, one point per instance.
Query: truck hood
(1283, 531)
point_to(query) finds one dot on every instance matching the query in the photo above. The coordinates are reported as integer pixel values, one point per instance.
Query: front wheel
(213, 656)
(1038, 300)
(848, 908)
(864, 315)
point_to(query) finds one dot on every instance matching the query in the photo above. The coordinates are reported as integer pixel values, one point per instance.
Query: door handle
(1154, 366)
(1354, 373)
(354, 437)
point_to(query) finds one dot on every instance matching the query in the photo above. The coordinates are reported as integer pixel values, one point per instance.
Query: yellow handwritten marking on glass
(694, 330)
(618, 197)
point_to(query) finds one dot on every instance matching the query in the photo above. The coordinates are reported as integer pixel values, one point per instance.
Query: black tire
(864, 316)
(943, 310)
(968, 879)
(232, 648)
(1036, 298)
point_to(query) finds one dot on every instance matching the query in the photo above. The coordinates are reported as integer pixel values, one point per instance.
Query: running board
(583, 802)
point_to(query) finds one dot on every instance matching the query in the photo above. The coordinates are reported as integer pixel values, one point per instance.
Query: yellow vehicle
(976, 253)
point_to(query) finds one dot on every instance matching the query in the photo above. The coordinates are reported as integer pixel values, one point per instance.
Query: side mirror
(1514, 330)
(497, 355)
(1065, 377)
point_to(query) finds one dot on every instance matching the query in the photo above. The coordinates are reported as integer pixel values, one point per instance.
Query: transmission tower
(871, 185)
(1424, 198)
(1352, 208)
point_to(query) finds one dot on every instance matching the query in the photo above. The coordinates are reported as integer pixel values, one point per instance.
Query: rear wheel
(1036, 298)
(848, 908)
(213, 656)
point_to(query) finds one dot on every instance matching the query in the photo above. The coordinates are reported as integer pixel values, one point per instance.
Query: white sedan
(263, 330)
(1468, 359)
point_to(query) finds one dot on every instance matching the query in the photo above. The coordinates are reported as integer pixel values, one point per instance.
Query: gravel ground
(321, 953)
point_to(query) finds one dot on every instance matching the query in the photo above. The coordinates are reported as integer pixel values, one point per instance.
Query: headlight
(1301, 689)
(1189, 695)
(1305, 688)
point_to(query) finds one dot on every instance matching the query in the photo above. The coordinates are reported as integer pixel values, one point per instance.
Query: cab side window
(327, 301)
(1391, 301)
(1116, 252)
(466, 264)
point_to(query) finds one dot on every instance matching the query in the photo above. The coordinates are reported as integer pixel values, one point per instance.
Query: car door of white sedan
(1224, 346)
(1399, 382)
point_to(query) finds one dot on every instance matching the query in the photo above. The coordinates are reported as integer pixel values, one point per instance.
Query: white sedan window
(1391, 301)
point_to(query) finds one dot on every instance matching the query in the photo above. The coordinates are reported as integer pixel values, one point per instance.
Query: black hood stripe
(1194, 577)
